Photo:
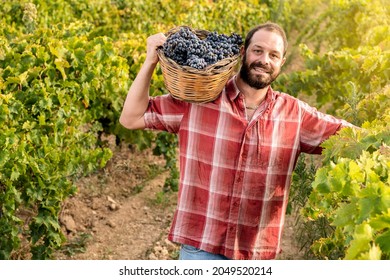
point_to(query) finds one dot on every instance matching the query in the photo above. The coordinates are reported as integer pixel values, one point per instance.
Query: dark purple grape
(187, 49)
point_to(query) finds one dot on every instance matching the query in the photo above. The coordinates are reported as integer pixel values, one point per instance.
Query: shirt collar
(233, 92)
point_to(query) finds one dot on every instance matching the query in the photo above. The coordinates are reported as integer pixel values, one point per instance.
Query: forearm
(137, 98)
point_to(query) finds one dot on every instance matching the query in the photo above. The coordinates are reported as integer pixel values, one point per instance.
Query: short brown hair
(269, 26)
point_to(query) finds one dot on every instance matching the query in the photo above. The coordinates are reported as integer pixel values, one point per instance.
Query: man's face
(263, 59)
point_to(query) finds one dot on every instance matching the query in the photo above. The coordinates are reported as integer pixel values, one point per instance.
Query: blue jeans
(188, 252)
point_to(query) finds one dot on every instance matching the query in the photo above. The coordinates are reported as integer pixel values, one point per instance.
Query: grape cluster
(187, 49)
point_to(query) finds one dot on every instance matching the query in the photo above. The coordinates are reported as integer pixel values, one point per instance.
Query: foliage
(342, 76)
(301, 187)
(351, 54)
(347, 70)
(352, 190)
(348, 23)
(56, 88)
(65, 67)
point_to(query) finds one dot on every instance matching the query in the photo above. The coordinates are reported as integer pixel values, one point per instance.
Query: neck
(253, 97)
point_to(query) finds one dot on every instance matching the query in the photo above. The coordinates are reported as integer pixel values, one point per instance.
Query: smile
(260, 70)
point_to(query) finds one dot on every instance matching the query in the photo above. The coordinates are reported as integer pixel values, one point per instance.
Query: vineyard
(66, 67)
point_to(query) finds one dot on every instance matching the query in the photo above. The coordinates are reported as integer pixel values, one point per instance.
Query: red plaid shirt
(235, 174)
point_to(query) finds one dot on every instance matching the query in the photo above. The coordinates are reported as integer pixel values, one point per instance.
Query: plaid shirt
(235, 174)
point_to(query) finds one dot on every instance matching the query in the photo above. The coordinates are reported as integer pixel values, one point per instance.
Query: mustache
(261, 66)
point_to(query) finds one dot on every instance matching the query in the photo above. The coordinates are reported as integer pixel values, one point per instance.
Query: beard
(257, 81)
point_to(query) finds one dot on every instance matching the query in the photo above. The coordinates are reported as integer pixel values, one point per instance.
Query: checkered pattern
(235, 175)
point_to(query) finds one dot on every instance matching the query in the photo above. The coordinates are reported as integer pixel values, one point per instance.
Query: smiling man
(263, 56)
(237, 153)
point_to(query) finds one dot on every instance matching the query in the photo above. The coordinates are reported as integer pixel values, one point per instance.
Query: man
(237, 153)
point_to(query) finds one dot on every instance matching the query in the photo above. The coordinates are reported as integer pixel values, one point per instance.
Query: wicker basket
(191, 84)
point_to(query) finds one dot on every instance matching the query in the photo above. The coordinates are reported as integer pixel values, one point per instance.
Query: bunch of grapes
(187, 49)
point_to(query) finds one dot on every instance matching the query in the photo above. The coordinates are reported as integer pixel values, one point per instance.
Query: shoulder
(285, 97)
(282, 97)
(166, 104)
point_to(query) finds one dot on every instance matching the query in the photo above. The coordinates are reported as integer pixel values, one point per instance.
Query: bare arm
(137, 98)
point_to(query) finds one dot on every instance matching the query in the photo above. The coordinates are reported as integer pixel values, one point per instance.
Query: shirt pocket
(277, 143)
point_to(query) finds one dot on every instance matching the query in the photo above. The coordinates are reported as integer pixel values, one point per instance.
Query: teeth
(259, 70)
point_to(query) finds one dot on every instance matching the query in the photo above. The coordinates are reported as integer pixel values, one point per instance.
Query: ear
(283, 61)
(242, 51)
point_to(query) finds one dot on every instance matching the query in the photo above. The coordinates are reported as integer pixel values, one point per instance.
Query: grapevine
(64, 77)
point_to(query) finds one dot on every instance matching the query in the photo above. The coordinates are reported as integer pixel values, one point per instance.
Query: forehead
(269, 40)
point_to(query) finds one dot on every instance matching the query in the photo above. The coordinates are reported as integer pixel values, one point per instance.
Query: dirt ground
(120, 213)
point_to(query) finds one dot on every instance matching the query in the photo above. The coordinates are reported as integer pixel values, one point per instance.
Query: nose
(264, 58)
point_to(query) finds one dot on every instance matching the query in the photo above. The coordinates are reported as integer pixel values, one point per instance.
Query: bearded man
(237, 153)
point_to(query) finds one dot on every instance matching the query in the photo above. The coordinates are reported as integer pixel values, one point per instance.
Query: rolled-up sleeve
(165, 113)
(316, 127)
